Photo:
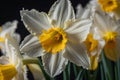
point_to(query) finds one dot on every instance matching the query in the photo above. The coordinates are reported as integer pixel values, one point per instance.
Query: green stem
(30, 61)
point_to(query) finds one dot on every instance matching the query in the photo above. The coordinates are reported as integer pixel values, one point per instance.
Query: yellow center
(7, 72)
(53, 40)
(109, 5)
(110, 39)
(94, 62)
(91, 43)
(2, 39)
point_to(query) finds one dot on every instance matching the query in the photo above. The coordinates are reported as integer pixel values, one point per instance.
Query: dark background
(10, 10)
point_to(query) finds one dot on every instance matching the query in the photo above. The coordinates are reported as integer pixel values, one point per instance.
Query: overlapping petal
(79, 29)
(54, 64)
(7, 28)
(15, 57)
(61, 11)
(34, 21)
(31, 46)
(76, 53)
(114, 53)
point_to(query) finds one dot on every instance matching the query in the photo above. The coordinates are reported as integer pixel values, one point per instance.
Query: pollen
(7, 72)
(109, 5)
(91, 43)
(110, 38)
(53, 40)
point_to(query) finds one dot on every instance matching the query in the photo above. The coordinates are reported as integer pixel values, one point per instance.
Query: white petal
(101, 46)
(36, 72)
(12, 50)
(101, 42)
(17, 37)
(84, 13)
(25, 73)
(77, 54)
(4, 60)
(34, 21)
(2, 47)
(80, 11)
(20, 69)
(61, 11)
(31, 46)
(9, 28)
(79, 29)
(104, 22)
(54, 64)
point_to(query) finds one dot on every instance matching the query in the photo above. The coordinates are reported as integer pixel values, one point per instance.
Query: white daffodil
(112, 7)
(109, 30)
(93, 43)
(11, 67)
(7, 28)
(56, 37)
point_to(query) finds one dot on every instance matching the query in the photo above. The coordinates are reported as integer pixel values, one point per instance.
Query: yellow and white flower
(109, 30)
(93, 43)
(11, 67)
(12, 64)
(56, 37)
(7, 28)
(112, 7)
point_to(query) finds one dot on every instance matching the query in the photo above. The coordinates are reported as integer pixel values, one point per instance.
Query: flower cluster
(60, 36)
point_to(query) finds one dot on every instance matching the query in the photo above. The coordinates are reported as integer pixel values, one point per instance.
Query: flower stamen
(91, 43)
(109, 5)
(110, 39)
(53, 40)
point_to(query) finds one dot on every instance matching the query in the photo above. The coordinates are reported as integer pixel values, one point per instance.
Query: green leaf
(47, 77)
(80, 75)
(102, 72)
(92, 74)
(107, 66)
(75, 70)
(66, 72)
(117, 70)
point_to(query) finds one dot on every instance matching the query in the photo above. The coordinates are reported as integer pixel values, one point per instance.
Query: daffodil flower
(7, 28)
(56, 37)
(110, 6)
(11, 67)
(93, 43)
(13, 64)
(109, 30)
